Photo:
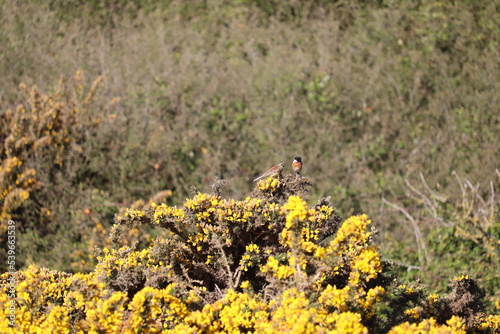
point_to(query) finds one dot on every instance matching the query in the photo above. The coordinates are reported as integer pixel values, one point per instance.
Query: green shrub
(455, 235)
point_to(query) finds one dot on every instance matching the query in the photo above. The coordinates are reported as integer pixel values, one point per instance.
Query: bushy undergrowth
(453, 233)
(167, 95)
(49, 184)
(265, 264)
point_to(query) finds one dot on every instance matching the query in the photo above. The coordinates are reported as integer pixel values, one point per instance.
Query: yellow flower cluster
(106, 315)
(352, 235)
(302, 226)
(433, 298)
(15, 186)
(251, 257)
(114, 261)
(453, 326)
(351, 298)
(489, 323)
(334, 297)
(414, 313)
(238, 212)
(366, 265)
(205, 217)
(278, 270)
(163, 211)
(84, 297)
(202, 203)
(238, 312)
(296, 209)
(153, 310)
(47, 120)
(350, 248)
(253, 248)
(43, 299)
(83, 289)
(134, 213)
(268, 185)
(292, 315)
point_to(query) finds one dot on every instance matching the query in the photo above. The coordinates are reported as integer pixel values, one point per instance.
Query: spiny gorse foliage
(262, 264)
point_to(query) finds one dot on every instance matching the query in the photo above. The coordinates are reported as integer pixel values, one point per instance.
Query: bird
(297, 165)
(272, 172)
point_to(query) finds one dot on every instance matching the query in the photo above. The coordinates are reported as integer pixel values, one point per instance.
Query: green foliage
(460, 236)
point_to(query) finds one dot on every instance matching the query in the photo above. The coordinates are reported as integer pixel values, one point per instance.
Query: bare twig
(219, 291)
(424, 198)
(462, 188)
(438, 196)
(192, 283)
(401, 264)
(492, 205)
(217, 185)
(225, 261)
(422, 252)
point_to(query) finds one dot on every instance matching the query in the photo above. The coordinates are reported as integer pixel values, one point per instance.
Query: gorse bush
(261, 265)
(41, 142)
(41, 135)
(45, 160)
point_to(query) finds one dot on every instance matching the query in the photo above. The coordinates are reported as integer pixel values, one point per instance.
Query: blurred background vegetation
(393, 106)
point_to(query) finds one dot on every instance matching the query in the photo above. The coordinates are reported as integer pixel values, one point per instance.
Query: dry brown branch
(423, 254)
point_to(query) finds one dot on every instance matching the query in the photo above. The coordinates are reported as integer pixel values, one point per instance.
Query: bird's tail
(257, 179)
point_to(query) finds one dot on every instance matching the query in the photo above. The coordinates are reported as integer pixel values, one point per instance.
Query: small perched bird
(297, 165)
(272, 172)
